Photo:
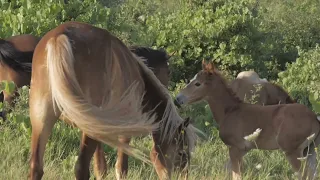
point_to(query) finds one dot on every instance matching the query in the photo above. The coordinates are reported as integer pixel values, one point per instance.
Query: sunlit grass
(208, 160)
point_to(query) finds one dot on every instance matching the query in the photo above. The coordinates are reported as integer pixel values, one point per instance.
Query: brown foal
(293, 128)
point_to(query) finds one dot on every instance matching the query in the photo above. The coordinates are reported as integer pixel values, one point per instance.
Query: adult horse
(15, 61)
(293, 128)
(249, 86)
(89, 78)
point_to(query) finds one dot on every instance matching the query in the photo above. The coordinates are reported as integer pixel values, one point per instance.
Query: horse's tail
(106, 123)
(14, 58)
(312, 162)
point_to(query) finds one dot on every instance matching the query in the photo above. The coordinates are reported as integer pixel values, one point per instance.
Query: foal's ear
(204, 64)
(210, 67)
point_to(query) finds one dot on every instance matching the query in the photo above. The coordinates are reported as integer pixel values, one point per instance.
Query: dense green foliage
(277, 39)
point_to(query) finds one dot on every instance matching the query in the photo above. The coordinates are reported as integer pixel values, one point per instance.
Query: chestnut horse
(88, 77)
(293, 128)
(248, 85)
(15, 61)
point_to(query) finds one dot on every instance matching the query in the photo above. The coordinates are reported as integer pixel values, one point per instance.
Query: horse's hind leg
(43, 119)
(100, 165)
(122, 160)
(87, 148)
(293, 160)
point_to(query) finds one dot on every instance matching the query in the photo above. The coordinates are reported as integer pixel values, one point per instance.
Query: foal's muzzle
(181, 99)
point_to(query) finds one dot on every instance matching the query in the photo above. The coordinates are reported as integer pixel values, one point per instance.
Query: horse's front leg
(236, 156)
(122, 160)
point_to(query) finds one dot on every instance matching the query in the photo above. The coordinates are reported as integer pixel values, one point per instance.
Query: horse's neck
(221, 100)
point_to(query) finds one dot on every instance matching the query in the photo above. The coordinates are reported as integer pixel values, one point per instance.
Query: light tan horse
(89, 78)
(289, 127)
(251, 76)
(249, 86)
(15, 61)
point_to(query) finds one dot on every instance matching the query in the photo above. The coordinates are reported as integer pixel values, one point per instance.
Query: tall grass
(208, 160)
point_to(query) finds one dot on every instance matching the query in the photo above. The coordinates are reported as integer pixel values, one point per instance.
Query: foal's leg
(236, 162)
(43, 119)
(122, 160)
(295, 163)
(87, 148)
(100, 165)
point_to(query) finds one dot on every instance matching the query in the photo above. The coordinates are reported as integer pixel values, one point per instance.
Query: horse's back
(24, 42)
(246, 90)
(101, 60)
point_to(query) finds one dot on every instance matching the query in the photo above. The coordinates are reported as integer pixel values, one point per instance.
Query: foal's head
(200, 86)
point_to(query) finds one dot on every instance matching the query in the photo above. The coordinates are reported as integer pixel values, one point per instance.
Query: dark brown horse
(15, 62)
(157, 61)
(89, 78)
(293, 128)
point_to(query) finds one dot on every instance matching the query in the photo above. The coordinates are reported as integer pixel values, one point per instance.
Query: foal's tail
(312, 162)
(105, 123)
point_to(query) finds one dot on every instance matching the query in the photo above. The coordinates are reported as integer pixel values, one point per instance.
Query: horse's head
(200, 86)
(156, 60)
(178, 151)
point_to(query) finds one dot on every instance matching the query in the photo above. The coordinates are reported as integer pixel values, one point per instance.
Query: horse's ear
(204, 65)
(210, 67)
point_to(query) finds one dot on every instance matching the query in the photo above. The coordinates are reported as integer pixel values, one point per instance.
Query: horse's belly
(267, 143)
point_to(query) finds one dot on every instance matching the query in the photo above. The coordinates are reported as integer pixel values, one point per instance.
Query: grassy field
(207, 161)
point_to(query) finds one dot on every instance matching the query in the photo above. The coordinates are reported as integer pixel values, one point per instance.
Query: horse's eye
(197, 84)
(180, 153)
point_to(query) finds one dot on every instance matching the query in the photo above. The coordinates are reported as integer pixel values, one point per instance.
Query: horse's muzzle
(181, 99)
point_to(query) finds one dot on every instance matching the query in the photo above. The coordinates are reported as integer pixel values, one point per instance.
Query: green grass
(208, 160)
(207, 163)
